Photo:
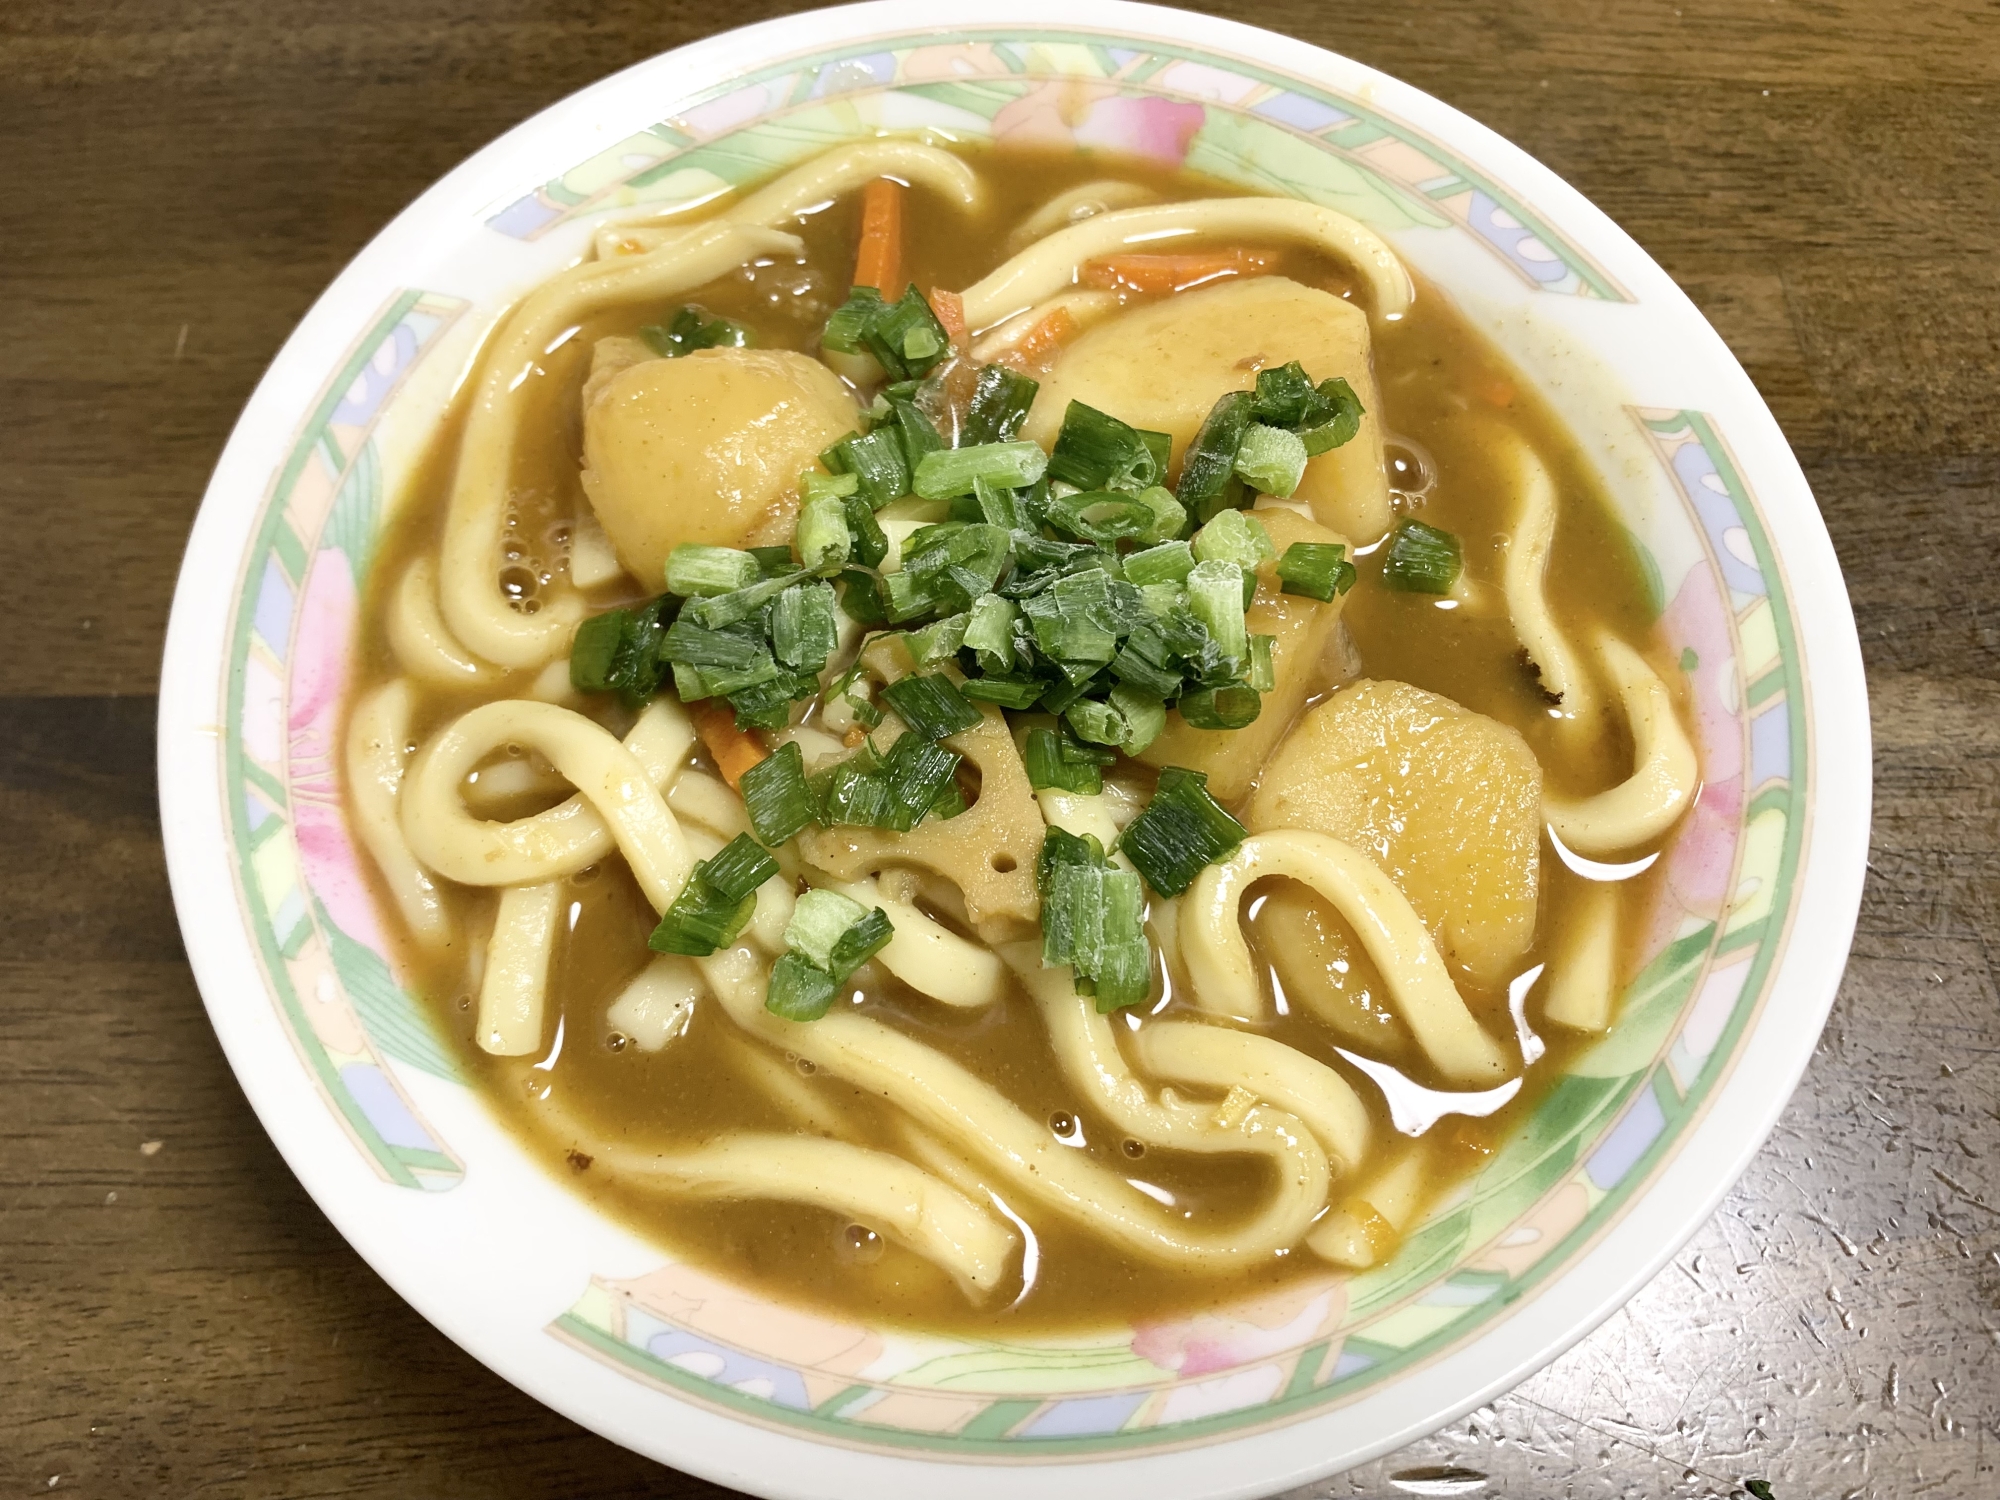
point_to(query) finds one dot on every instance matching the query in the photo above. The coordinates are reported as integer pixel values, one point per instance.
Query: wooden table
(180, 179)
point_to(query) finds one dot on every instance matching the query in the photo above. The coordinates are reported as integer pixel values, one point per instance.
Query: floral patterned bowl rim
(1634, 1148)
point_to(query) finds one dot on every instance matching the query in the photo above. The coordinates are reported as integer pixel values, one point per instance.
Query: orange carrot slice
(1172, 273)
(950, 310)
(734, 750)
(1043, 340)
(879, 260)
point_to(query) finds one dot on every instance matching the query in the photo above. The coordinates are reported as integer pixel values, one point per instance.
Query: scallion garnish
(931, 704)
(1000, 402)
(1421, 559)
(1169, 562)
(1319, 570)
(799, 990)
(1093, 917)
(690, 329)
(1182, 831)
(697, 571)
(775, 795)
(877, 463)
(717, 900)
(1056, 760)
(1339, 428)
(619, 651)
(1230, 706)
(955, 471)
(1215, 597)
(1209, 481)
(1271, 460)
(1129, 717)
(804, 631)
(1095, 451)
(860, 942)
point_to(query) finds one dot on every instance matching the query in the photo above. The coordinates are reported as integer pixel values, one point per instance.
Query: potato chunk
(1303, 627)
(1162, 365)
(706, 448)
(1447, 800)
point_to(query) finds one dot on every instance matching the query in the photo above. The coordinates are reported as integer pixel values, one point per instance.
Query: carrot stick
(734, 750)
(878, 262)
(950, 310)
(1171, 273)
(1043, 340)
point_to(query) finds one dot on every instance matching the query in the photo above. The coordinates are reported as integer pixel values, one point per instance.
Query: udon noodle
(1141, 771)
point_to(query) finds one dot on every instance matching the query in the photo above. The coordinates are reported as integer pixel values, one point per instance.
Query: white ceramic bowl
(1630, 1153)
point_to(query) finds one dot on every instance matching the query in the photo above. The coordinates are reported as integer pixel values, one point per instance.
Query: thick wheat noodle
(514, 989)
(1523, 580)
(617, 803)
(1086, 1046)
(1051, 265)
(883, 1192)
(975, 1119)
(422, 641)
(1665, 773)
(1225, 981)
(378, 736)
(1061, 211)
(1366, 1227)
(1084, 306)
(474, 608)
(818, 181)
(1583, 973)
(1219, 1057)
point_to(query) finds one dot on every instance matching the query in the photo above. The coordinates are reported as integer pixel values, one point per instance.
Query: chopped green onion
(689, 644)
(989, 632)
(906, 337)
(691, 329)
(818, 920)
(1169, 515)
(1319, 570)
(917, 770)
(1234, 536)
(1215, 597)
(1055, 760)
(940, 639)
(1105, 516)
(876, 462)
(799, 990)
(774, 562)
(716, 902)
(1000, 402)
(1263, 671)
(1421, 560)
(1209, 482)
(1182, 831)
(721, 610)
(996, 504)
(849, 325)
(1131, 718)
(931, 704)
(905, 595)
(861, 597)
(738, 867)
(1169, 562)
(1230, 706)
(619, 651)
(697, 571)
(1285, 398)
(1095, 451)
(1092, 920)
(1162, 598)
(955, 471)
(860, 942)
(804, 631)
(1004, 692)
(775, 794)
(1339, 428)
(1148, 662)
(919, 435)
(1271, 459)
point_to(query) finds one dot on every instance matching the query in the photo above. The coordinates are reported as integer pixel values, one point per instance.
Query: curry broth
(1438, 377)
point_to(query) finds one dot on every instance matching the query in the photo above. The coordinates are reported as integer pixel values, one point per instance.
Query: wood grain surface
(179, 178)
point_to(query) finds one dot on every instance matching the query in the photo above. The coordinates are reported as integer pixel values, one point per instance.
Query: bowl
(1627, 1156)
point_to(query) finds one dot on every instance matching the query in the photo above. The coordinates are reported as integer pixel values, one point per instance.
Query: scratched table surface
(178, 180)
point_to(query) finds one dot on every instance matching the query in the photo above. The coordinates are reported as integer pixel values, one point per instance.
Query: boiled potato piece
(1448, 801)
(706, 448)
(1162, 365)
(1326, 972)
(1231, 758)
